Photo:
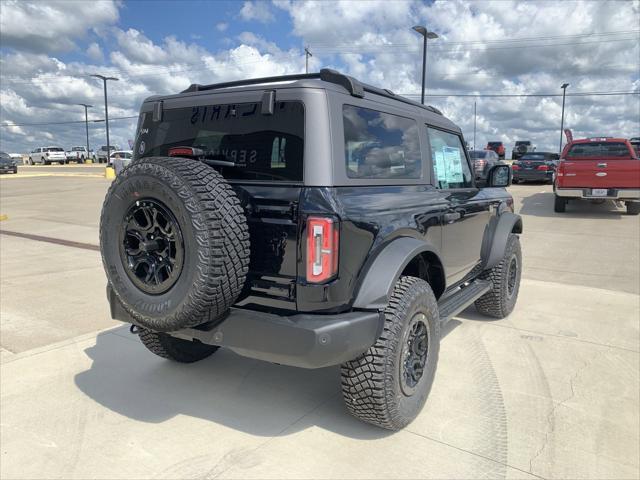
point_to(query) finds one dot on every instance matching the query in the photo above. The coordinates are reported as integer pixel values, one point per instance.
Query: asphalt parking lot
(552, 391)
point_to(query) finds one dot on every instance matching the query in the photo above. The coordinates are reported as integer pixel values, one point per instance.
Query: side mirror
(499, 176)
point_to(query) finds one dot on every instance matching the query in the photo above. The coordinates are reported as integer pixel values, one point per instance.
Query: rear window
(254, 146)
(380, 145)
(533, 156)
(53, 149)
(495, 144)
(77, 149)
(478, 154)
(599, 149)
(523, 142)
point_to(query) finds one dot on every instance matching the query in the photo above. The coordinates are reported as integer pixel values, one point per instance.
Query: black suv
(307, 220)
(521, 148)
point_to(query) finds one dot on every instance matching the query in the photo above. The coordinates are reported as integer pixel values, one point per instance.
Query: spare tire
(175, 243)
(522, 148)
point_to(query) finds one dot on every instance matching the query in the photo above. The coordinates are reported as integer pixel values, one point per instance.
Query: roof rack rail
(353, 86)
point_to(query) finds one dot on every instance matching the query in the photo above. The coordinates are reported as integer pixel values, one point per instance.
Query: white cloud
(94, 52)
(43, 87)
(222, 26)
(256, 10)
(54, 25)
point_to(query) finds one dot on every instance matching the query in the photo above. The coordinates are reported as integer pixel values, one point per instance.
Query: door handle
(452, 216)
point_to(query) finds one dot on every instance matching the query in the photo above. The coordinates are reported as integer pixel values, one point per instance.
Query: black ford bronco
(307, 220)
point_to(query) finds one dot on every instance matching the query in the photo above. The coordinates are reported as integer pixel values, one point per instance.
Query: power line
(583, 94)
(63, 123)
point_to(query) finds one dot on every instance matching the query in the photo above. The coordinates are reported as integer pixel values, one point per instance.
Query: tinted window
(533, 156)
(599, 149)
(495, 144)
(254, 146)
(380, 145)
(449, 162)
(523, 142)
(5, 155)
(53, 149)
(479, 153)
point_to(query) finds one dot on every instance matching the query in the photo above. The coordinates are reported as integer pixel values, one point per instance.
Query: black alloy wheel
(151, 246)
(414, 353)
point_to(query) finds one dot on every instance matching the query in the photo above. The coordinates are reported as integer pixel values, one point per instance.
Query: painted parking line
(57, 241)
(33, 175)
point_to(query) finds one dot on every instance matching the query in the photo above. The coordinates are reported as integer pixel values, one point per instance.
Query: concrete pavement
(552, 391)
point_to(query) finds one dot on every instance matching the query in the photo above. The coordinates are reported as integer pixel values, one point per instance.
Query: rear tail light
(560, 168)
(185, 152)
(515, 167)
(543, 167)
(322, 249)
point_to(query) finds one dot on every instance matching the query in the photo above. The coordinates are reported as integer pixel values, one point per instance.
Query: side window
(380, 145)
(449, 161)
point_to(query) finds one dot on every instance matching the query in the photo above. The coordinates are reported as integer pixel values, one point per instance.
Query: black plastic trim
(303, 340)
(496, 237)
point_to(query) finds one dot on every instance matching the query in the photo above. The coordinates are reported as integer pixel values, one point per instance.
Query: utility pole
(474, 125)
(86, 124)
(106, 109)
(307, 54)
(425, 35)
(564, 92)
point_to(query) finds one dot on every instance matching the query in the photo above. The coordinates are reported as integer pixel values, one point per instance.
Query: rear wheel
(175, 349)
(505, 280)
(633, 208)
(388, 385)
(559, 204)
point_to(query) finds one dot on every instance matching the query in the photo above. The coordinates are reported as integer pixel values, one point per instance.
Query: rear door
(600, 164)
(261, 157)
(468, 210)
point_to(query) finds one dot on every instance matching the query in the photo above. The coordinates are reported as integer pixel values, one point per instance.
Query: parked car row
(78, 154)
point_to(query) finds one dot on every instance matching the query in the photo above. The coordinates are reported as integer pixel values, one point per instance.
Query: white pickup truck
(80, 154)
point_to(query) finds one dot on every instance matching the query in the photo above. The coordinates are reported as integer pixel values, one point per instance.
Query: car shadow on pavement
(248, 395)
(541, 205)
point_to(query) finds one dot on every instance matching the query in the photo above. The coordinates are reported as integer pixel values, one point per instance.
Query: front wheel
(505, 279)
(388, 385)
(175, 349)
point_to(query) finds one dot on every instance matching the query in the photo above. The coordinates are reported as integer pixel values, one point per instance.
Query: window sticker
(453, 163)
(441, 171)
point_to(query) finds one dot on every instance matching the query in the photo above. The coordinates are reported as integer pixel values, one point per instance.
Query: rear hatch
(261, 157)
(599, 164)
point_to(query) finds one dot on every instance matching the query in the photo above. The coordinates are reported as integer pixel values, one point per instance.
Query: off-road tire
(633, 208)
(559, 204)
(371, 383)
(215, 240)
(500, 301)
(175, 349)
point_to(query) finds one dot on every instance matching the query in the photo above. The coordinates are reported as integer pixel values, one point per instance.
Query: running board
(457, 302)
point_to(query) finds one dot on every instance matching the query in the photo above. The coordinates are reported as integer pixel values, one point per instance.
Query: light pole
(425, 35)
(307, 54)
(86, 124)
(106, 109)
(564, 92)
(474, 125)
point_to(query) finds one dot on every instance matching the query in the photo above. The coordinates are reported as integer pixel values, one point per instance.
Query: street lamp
(86, 124)
(564, 92)
(106, 108)
(425, 35)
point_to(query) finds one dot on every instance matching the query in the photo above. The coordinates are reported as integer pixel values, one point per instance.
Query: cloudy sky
(48, 49)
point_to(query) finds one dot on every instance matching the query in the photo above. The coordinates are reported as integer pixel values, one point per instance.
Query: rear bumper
(303, 340)
(532, 175)
(613, 193)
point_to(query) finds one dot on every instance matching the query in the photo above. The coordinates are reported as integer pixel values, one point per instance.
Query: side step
(458, 301)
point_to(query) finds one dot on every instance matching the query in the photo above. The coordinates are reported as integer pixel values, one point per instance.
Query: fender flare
(381, 276)
(496, 237)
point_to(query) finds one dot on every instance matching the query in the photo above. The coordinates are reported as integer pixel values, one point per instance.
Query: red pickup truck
(598, 168)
